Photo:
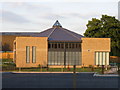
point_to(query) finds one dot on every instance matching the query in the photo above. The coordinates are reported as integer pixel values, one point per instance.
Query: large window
(56, 58)
(27, 54)
(73, 58)
(69, 45)
(64, 53)
(101, 58)
(33, 54)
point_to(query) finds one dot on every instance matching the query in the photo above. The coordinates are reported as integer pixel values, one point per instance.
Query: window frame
(103, 58)
(27, 54)
(34, 53)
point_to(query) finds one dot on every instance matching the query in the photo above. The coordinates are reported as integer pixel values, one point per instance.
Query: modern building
(57, 46)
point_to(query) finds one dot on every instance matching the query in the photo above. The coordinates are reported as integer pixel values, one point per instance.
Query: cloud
(52, 16)
(83, 16)
(28, 6)
(13, 17)
(55, 16)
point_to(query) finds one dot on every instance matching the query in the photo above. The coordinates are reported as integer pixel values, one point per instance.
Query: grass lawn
(98, 70)
(6, 60)
(61, 69)
(8, 65)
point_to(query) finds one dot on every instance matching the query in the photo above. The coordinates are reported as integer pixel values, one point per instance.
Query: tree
(105, 27)
(6, 47)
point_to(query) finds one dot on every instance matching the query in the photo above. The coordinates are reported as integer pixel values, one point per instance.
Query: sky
(39, 15)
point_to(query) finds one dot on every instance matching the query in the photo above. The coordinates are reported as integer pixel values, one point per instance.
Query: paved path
(113, 70)
(58, 80)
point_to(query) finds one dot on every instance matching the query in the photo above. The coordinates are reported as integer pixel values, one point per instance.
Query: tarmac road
(57, 80)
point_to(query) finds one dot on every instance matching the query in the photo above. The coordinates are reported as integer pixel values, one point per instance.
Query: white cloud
(12, 17)
(59, 0)
(38, 16)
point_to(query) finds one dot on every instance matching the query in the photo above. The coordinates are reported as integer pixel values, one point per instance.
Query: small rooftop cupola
(57, 24)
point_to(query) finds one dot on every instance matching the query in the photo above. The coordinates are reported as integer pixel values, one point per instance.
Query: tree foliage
(105, 27)
(6, 47)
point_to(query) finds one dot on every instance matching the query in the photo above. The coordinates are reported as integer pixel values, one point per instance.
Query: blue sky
(41, 15)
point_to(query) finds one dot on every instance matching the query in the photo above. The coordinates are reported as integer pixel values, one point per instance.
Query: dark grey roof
(19, 33)
(57, 33)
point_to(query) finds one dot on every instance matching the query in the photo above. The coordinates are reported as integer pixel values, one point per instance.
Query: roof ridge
(70, 33)
(51, 32)
(73, 32)
(45, 30)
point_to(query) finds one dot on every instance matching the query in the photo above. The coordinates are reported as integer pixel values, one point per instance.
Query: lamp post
(64, 57)
(74, 77)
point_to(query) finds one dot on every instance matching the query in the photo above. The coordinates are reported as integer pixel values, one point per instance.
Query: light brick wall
(90, 45)
(41, 44)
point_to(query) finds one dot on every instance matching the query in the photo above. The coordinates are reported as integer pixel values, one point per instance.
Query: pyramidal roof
(57, 24)
(57, 33)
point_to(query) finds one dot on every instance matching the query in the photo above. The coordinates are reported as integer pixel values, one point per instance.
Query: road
(57, 80)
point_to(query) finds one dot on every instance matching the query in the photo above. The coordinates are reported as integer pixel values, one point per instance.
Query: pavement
(57, 80)
(52, 72)
(113, 70)
(108, 73)
(105, 75)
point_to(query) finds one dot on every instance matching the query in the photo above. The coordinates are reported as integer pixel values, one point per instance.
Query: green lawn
(8, 65)
(13, 68)
(6, 60)
(61, 69)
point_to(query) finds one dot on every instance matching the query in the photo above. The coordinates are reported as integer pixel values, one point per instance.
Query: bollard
(62, 69)
(19, 69)
(102, 69)
(74, 68)
(92, 68)
(68, 68)
(41, 68)
(47, 67)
